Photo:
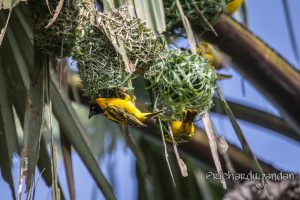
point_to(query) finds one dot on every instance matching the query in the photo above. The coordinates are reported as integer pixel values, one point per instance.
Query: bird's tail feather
(189, 116)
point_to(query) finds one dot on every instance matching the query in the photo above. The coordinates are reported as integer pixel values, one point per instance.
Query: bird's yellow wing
(119, 115)
(183, 130)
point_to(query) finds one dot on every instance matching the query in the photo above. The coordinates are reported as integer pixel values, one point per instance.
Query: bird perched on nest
(122, 111)
(233, 6)
(214, 57)
(183, 130)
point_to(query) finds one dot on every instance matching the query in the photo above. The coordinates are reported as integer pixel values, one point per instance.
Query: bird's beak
(91, 114)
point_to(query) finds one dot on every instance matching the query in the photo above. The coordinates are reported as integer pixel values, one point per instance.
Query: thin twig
(205, 19)
(35, 185)
(213, 145)
(182, 165)
(56, 13)
(291, 29)
(187, 27)
(166, 152)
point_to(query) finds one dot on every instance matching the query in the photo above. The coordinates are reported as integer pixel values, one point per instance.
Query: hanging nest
(60, 35)
(101, 68)
(195, 10)
(110, 48)
(182, 81)
(99, 55)
(140, 42)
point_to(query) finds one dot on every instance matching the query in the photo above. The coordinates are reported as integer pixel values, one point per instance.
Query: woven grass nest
(140, 42)
(102, 67)
(210, 9)
(93, 40)
(182, 81)
(61, 33)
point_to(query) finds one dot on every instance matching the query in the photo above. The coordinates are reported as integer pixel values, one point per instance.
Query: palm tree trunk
(268, 71)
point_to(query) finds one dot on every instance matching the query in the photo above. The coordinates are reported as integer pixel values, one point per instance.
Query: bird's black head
(94, 110)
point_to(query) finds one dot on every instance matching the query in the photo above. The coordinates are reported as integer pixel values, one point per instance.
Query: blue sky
(266, 19)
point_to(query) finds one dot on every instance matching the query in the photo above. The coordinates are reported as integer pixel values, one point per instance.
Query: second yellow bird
(183, 130)
(122, 111)
(213, 57)
(233, 6)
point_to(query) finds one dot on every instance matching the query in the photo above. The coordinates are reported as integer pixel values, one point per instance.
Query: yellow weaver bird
(211, 54)
(121, 111)
(183, 130)
(233, 6)
(214, 57)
